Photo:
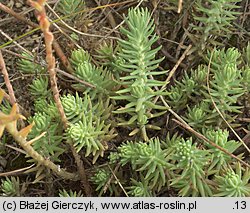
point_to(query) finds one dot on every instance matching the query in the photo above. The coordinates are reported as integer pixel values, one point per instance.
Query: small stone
(18, 5)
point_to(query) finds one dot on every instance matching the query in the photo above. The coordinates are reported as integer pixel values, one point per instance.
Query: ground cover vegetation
(125, 98)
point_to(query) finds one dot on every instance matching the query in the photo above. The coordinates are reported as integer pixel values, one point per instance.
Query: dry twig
(16, 172)
(7, 80)
(50, 59)
(179, 6)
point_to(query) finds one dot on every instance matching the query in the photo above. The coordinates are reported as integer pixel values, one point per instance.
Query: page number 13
(240, 205)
